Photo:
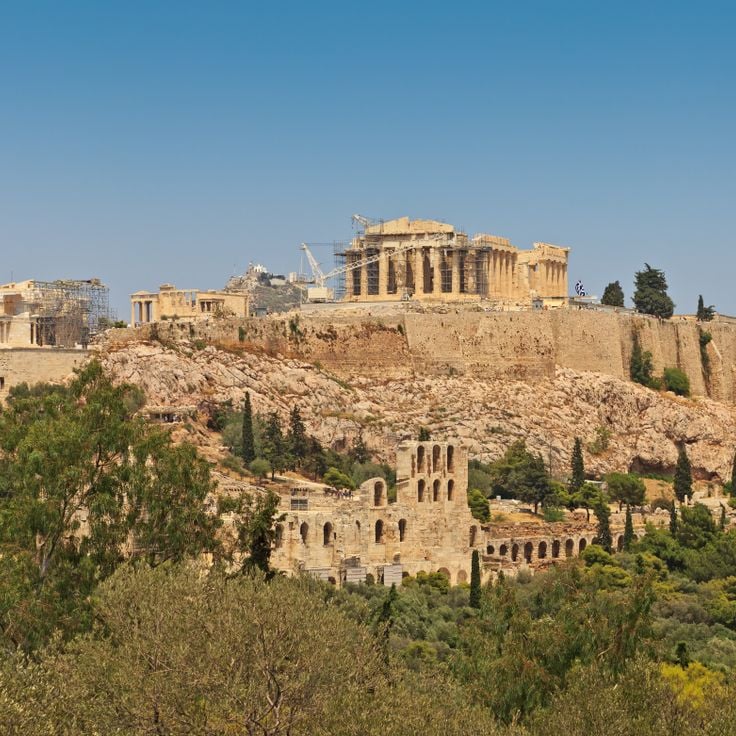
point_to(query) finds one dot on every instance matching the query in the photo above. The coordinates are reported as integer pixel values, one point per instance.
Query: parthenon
(431, 260)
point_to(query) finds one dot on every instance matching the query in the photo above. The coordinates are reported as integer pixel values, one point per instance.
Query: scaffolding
(68, 312)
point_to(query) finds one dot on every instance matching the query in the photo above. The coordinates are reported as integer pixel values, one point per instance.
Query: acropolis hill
(487, 378)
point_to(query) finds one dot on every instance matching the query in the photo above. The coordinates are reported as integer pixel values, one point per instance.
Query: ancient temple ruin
(430, 260)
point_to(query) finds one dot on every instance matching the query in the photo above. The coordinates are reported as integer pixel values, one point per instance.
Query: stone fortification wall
(34, 365)
(507, 345)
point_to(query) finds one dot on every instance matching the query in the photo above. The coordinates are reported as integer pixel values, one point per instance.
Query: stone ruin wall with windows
(428, 528)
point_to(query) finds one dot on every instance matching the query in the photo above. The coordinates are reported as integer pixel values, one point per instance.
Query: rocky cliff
(489, 379)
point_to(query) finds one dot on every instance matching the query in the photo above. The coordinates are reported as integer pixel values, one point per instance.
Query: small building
(186, 304)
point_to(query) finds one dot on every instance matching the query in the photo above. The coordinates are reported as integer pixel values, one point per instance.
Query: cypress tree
(673, 520)
(723, 518)
(701, 308)
(603, 533)
(249, 445)
(683, 476)
(628, 530)
(475, 590)
(577, 477)
(733, 476)
(297, 437)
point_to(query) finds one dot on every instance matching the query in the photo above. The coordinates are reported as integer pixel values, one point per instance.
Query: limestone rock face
(487, 413)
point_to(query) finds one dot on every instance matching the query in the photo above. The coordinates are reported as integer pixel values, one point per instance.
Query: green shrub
(260, 468)
(676, 381)
(478, 504)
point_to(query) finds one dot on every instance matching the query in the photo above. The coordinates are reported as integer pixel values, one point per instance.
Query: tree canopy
(613, 295)
(650, 295)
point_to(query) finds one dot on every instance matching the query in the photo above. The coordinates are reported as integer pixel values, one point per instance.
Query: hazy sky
(151, 142)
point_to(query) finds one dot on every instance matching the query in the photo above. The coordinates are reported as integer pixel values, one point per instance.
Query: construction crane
(321, 293)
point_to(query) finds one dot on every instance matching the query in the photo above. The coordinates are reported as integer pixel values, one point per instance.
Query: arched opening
(378, 493)
(379, 532)
(620, 543)
(436, 451)
(503, 550)
(436, 491)
(490, 549)
(472, 535)
(542, 550)
(569, 548)
(450, 489)
(278, 537)
(304, 532)
(528, 551)
(450, 459)
(444, 571)
(420, 458)
(462, 577)
(420, 490)
(514, 552)
(402, 529)
(327, 534)
(555, 549)
(582, 544)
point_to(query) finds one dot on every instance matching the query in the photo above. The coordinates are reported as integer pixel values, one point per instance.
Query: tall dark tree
(673, 520)
(475, 589)
(359, 452)
(650, 295)
(733, 476)
(628, 530)
(577, 467)
(722, 524)
(613, 295)
(249, 443)
(257, 532)
(274, 446)
(297, 440)
(683, 485)
(704, 314)
(603, 531)
(386, 620)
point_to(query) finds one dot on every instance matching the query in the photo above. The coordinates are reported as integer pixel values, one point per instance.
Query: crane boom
(317, 274)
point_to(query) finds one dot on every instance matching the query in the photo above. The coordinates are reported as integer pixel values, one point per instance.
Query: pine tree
(650, 296)
(613, 295)
(359, 452)
(298, 442)
(673, 520)
(628, 530)
(577, 477)
(603, 536)
(273, 445)
(249, 445)
(683, 485)
(475, 590)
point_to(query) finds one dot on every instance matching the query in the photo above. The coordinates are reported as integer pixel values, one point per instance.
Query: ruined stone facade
(429, 260)
(427, 528)
(185, 304)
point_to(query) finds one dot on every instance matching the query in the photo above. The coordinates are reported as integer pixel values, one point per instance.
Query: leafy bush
(676, 381)
(478, 504)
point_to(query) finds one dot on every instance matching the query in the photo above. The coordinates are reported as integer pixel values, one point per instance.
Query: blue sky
(146, 142)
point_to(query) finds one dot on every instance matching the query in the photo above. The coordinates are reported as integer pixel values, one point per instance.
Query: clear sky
(150, 142)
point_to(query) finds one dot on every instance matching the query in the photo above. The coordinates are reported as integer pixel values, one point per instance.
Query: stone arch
(462, 577)
(436, 452)
(569, 548)
(450, 489)
(420, 490)
(542, 550)
(304, 532)
(472, 535)
(436, 490)
(528, 551)
(450, 459)
(555, 549)
(503, 550)
(514, 552)
(490, 549)
(402, 529)
(327, 534)
(582, 544)
(620, 543)
(278, 537)
(444, 571)
(379, 532)
(420, 459)
(379, 497)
